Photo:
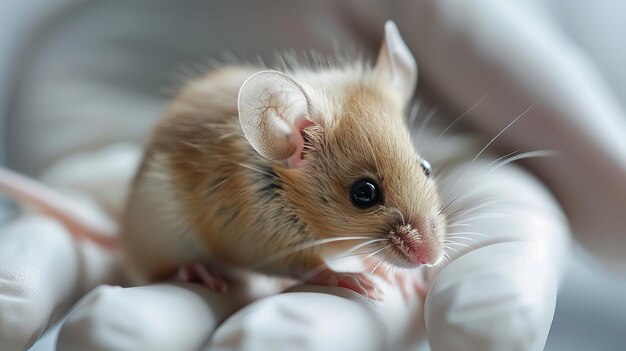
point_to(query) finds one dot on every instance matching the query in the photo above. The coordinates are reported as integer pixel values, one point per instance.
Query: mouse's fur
(204, 194)
(243, 207)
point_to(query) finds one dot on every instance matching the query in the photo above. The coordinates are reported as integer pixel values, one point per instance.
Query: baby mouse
(279, 172)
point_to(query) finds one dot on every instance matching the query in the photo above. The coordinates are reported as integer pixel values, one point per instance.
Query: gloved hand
(497, 292)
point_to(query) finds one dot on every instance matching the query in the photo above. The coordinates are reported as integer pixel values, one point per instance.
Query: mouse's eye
(426, 167)
(365, 193)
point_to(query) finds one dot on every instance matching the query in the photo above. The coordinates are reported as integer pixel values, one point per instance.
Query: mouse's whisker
(463, 197)
(473, 192)
(375, 252)
(475, 205)
(483, 215)
(453, 238)
(467, 233)
(379, 263)
(415, 109)
(388, 270)
(353, 249)
(469, 110)
(305, 246)
(320, 268)
(432, 112)
(459, 225)
(464, 238)
(461, 244)
(505, 129)
(455, 185)
(214, 187)
(450, 248)
(509, 158)
(523, 156)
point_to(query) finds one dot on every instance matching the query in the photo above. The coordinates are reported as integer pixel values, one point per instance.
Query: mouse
(284, 173)
(278, 171)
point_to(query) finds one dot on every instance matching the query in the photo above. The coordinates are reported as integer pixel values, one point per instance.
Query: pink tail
(30, 193)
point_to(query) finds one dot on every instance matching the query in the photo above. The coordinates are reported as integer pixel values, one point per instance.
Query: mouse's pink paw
(409, 285)
(199, 273)
(357, 282)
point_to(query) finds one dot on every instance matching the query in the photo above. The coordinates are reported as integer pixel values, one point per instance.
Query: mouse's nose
(416, 242)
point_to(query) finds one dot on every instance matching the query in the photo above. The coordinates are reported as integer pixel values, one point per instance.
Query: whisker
(427, 119)
(468, 233)
(450, 248)
(525, 155)
(460, 117)
(505, 128)
(379, 263)
(461, 244)
(488, 215)
(460, 225)
(458, 186)
(375, 252)
(475, 207)
(320, 268)
(305, 246)
(414, 112)
(210, 190)
(452, 238)
(364, 244)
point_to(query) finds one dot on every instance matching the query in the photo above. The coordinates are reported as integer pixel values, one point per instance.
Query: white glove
(500, 295)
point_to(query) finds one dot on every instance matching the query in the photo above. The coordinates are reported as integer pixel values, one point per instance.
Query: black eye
(365, 193)
(426, 167)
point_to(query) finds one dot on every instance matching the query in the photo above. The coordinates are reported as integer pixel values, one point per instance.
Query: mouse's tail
(79, 221)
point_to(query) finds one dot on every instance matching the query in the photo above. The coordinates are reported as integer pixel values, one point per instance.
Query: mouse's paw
(361, 283)
(201, 274)
(409, 285)
(407, 281)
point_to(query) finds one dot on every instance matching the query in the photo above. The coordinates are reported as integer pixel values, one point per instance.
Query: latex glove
(44, 269)
(498, 294)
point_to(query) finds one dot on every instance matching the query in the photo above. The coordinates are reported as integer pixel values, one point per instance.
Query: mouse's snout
(416, 243)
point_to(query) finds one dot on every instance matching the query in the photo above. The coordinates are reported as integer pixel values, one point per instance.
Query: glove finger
(38, 276)
(299, 321)
(313, 317)
(498, 297)
(154, 317)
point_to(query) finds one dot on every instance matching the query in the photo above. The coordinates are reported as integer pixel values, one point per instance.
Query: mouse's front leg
(361, 282)
(199, 273)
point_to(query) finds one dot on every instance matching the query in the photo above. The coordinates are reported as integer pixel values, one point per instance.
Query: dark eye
(426, 167)
(365, 193)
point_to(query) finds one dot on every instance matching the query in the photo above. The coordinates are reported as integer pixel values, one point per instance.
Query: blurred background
(78, 75)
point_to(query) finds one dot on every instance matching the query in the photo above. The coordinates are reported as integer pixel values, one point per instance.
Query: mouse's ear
(273, 111)
(395, 62)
